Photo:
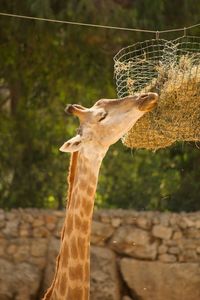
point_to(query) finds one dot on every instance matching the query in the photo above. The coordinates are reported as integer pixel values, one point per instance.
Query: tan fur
(72, 275)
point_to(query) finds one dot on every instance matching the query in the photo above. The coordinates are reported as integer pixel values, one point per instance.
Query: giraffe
(100, 126)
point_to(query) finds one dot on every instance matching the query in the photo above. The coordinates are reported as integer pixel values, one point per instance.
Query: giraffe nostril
(149, 96)
(144, 96)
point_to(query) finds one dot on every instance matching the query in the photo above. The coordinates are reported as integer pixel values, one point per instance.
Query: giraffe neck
(71, 281)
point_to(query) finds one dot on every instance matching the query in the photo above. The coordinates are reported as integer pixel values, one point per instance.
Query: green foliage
(164, 180)
(45, 66)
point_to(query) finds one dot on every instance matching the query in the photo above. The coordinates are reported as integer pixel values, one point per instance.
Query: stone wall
(134, 255)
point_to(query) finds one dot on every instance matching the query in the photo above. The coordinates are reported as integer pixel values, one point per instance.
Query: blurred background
(44, 66)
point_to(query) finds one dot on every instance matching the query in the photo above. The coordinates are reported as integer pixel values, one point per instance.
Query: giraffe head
(107, 121)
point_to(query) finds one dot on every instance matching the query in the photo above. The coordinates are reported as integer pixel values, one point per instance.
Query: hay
(177, 116)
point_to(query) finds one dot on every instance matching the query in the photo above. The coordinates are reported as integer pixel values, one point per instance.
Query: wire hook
(157, 34)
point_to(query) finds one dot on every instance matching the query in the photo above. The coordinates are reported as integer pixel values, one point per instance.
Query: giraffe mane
(71, 175)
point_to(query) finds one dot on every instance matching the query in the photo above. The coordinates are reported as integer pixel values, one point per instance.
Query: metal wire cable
(180, 29)
(97, 25)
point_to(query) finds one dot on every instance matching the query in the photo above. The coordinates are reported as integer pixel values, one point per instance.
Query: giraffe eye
(103, 116)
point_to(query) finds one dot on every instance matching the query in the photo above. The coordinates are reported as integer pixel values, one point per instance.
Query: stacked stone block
(134, 255)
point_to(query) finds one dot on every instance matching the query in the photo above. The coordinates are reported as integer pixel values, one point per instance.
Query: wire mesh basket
(172, 69)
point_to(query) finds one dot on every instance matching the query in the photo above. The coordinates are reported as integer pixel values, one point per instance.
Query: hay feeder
(172, 69)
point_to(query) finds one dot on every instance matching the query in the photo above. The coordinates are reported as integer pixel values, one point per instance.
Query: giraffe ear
(72, 145)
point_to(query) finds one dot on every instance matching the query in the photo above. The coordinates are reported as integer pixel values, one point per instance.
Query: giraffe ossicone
(100, 126)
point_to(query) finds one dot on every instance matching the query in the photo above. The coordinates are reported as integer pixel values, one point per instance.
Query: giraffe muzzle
(147, 101)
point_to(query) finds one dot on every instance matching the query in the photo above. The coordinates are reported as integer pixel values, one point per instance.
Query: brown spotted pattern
(71, 280)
